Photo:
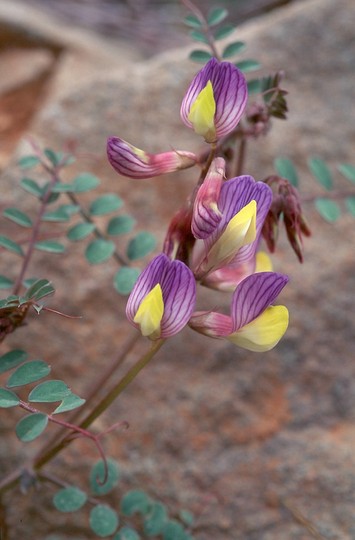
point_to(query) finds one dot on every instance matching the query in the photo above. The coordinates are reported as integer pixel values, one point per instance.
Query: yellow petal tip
(150, 313)
(202, 113)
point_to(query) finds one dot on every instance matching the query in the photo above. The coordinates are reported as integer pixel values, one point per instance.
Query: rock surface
(260, 447)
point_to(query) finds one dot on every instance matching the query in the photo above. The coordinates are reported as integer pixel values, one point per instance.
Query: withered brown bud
(259, 118)
(179, 239)
(287, 204)
(11, 318)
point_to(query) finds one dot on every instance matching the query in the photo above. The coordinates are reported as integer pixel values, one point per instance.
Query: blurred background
(153, 25)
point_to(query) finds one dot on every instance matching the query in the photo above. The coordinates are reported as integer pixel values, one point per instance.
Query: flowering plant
(216, 240)
(219, 230)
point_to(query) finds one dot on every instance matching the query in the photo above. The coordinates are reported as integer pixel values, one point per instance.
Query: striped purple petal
(179, 294)
(147, 280)
(230, 94)
(253, 295)
(130, 161)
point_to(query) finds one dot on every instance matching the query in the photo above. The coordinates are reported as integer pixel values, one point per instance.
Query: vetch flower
(163, 298)
(130, 161)
(253, 324)
(215, 100)
(243, 204)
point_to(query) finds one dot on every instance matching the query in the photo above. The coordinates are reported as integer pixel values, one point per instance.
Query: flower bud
(130, 161)
(286, 202)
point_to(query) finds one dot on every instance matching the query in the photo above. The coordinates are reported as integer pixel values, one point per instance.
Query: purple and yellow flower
(215, 100)
(130, 161)
(230, 248)
(253, 324)
(163, 298)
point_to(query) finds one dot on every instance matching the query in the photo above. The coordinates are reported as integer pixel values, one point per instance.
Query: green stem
(92, 392)
(122, 384)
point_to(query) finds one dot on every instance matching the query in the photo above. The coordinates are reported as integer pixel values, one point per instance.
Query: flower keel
(150, 313)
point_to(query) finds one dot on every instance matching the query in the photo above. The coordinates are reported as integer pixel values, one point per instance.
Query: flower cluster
(213, 240)
(212, 107)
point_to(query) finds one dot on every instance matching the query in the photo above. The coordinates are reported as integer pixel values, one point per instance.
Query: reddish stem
(77, 431)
